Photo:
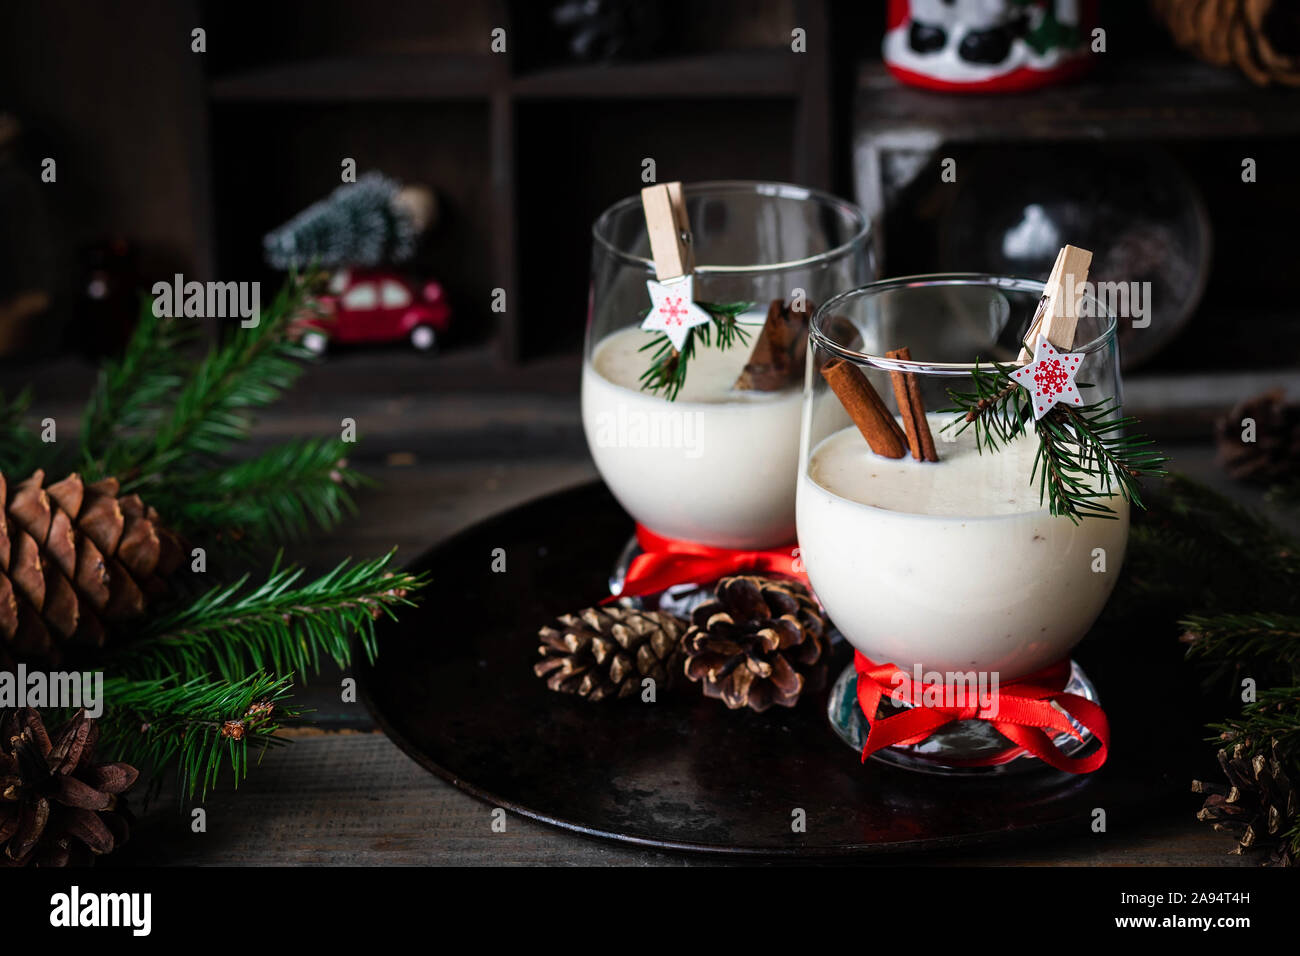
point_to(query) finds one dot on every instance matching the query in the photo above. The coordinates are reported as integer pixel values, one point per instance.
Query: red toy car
(376, 306)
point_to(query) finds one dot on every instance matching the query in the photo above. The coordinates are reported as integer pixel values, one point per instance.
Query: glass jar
(717, 465)
(951, 569)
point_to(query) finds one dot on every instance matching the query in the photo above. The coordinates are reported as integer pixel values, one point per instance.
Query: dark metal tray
(454, 687)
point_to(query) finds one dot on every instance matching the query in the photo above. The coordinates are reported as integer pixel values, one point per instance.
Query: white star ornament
(673, 310)
(1049, 378)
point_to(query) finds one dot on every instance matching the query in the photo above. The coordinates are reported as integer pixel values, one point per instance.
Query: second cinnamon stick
(865, 407)
(907, 392)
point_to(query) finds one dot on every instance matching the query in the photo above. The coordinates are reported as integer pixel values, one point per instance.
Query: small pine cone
(57, 806)
(607, 651)
(760, 642)
(1274, 455)
(1258, 805)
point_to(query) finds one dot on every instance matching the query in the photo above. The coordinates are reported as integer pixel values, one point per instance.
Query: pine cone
(1255, 35)
(758, 643)
(607, 652)
(1274, 455)
(74, 557)
(1258, 807)
(57, 806)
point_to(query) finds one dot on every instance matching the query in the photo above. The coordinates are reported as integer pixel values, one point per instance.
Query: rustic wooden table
(449, 445)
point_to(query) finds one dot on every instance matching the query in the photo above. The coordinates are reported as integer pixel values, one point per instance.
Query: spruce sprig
(1261, 638)
(21, 449)
(1273, 715)
(166, 424)
(204, 725)
(132, 392)
(1084, 456)
(667, 371)
(1243, 574)
(213, 408)
(275, 496)
(280, 626)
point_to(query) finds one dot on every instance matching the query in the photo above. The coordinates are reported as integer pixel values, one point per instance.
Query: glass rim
(752, 186)
(990, 280)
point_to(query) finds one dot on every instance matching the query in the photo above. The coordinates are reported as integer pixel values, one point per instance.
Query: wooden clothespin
(669, 230)
(1058, 310)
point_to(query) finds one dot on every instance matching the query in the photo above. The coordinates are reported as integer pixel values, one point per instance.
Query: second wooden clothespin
(672, 293)
(1058, 310)
(669, 230)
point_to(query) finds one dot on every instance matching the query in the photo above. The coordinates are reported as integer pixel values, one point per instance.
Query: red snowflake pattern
(1050, 378)
(674, 309)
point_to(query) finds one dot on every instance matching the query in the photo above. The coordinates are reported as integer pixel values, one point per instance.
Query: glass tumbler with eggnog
(711, 456)
(953, 571)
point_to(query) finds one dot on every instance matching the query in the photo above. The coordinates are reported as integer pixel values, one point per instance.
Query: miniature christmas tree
(365, 223)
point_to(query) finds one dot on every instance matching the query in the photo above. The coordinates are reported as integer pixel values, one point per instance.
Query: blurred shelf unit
(1206, 119)
(896, 128)
(491, 134)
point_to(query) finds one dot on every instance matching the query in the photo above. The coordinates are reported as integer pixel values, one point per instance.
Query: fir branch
(131, 393)
(276, 496)
(213, 408)
(1273, 715)
(667, 371)
(1262, 639)
(21, 450)
(1195, 541)
(279, 626)
(1083, 455)
(204, 725)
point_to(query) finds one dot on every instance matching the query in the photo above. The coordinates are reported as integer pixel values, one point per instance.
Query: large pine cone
(758, 643)
(74, 557)
(1259, 805)
(607, 652)
(57, 806)
(1274, 455)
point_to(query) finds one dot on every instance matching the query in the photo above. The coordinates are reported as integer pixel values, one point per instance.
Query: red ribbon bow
(1024, 715)
(667, 561)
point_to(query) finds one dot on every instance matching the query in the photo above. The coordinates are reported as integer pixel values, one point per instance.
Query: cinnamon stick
(865, 407)
(907, 392)
(777, 359)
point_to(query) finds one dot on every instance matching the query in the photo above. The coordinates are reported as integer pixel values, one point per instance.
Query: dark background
(193, 157)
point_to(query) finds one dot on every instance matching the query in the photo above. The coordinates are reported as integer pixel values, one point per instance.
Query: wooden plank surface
(355, 799)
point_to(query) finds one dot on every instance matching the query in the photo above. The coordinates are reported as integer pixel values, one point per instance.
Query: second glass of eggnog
(953, 568)
(716, 463)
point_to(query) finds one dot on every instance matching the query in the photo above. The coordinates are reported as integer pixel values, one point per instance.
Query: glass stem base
(968, 747)
(680, 599)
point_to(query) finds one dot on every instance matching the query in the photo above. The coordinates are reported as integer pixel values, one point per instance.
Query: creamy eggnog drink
(717, 465)
(954, 565)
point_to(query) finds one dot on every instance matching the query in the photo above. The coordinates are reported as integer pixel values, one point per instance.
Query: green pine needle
(274, 497)
(213, 409)
(1260, 638)
(1083, 455)
(169, 425)
(281, 626)
(203, 725)
(667, 371)
(21, 449)
(132, 393)
(1273, 715)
